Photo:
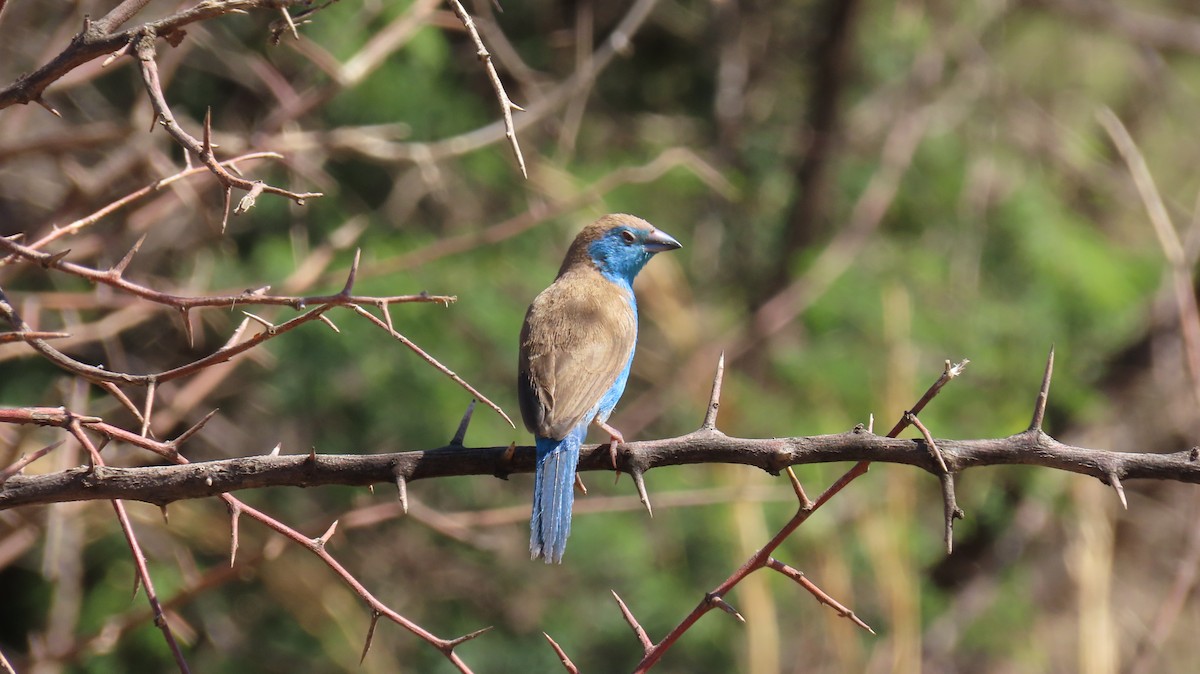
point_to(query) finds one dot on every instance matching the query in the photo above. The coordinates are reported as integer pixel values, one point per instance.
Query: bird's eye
(628, 236)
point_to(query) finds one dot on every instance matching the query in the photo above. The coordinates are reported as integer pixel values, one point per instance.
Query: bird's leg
(615, 439)
(580, 485)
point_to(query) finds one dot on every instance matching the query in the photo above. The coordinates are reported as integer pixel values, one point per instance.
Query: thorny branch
(165, 484)
(169, 450)
(506, 104)
(97, 39)
(114, 277)
(139, 560)
(144, 48)
(935, 463)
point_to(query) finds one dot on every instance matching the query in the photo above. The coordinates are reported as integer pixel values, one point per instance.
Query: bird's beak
(659, 241)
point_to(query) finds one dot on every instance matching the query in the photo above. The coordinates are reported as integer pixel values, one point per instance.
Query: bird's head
(619, 246)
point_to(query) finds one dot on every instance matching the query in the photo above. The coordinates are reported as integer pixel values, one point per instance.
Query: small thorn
(805, 504)
(640, 483)
(580, 485)
(228, 201)
(370, 630)
(719, 602)
(312, 454)
(186, 435)
(275, 451)
(508, 453)
(236, 336)
(235, 516)
(117, 393)
(163, 509)
(53, 260)
(402, 492)
(467, 637)
(260, 320)
(714, 400)
(150, 391)
(119, 268)
(49, 108)
(114, 56)
(186, 315)
(353, 273)
(461, 434)
(1115, 482)
(208, 146)
(325, 319)
(327, 535)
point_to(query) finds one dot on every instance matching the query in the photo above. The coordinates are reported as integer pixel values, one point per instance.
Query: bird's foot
(616, 439)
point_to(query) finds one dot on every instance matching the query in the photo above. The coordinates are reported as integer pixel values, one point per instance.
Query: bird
(577, 346)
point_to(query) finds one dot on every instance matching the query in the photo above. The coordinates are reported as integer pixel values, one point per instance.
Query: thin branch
(96, 216)
(506, 104)
(139, 560)
(779, 453)
(58, 262)
(145, 50)
(434, 362)
(95, 41)
(25, 460)
(817, 592)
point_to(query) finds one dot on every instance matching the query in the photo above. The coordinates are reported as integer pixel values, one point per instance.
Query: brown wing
(578, 336)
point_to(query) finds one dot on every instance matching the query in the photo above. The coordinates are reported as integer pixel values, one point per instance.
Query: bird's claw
(615, 439)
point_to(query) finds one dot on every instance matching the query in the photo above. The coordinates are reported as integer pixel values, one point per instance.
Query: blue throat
(617, 261)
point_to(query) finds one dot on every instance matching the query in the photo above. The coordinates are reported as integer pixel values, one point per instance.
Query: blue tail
(554, 494)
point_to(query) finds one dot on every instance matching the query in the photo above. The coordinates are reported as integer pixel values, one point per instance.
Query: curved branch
(96, 40)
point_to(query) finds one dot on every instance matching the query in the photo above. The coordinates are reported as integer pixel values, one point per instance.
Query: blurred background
(863, 190)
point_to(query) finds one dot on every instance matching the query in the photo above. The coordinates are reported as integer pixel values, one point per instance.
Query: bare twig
(96, 40)
(817, 592)
(145, 49)
(434, 362)
(139, 560)
(506, 104)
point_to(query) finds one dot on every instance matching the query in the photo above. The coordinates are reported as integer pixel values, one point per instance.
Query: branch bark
(161, 485)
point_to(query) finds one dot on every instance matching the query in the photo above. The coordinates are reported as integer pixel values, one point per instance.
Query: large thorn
(640, 482)
(714, 400)
(1039, 407)
(461, 433)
